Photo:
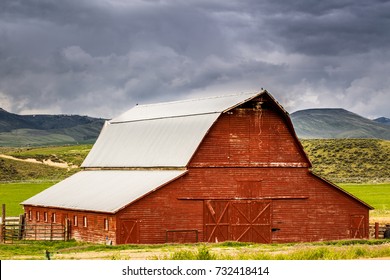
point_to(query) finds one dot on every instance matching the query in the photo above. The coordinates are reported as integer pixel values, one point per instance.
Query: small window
(29, 215)
(45, 217)
(85, 224)
(105, 224)
(53, 218)
(75, 222)
(37, 216)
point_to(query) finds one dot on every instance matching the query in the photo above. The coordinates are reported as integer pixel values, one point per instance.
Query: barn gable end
(225, 168)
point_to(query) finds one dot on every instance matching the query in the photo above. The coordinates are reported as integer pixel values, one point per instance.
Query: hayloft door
(128, 231)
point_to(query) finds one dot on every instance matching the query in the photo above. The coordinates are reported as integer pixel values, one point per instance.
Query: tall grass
(203, 253)
(337, 250)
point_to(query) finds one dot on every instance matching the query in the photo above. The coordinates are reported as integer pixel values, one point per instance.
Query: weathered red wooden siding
(93, 232)
(249, 137)
(319, 211)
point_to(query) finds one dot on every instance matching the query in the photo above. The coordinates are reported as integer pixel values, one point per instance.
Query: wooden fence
(12, 229)
(377, 231)
(16, 229)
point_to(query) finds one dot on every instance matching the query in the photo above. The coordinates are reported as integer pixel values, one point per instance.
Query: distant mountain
(336, 123)
(37, 130)
(382, 120)
(44, 130)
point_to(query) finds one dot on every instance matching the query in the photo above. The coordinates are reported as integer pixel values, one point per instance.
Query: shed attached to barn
(207, 170)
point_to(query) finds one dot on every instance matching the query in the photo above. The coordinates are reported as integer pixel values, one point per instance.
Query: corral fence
(378, 231)
(16, 229)
(12, 228)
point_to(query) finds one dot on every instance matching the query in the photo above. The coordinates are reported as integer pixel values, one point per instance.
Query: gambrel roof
(159, 135)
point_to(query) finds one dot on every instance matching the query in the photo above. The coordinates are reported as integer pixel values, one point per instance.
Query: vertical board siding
(248, 137)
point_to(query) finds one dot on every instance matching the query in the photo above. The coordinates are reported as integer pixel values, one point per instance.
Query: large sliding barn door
(244, 220)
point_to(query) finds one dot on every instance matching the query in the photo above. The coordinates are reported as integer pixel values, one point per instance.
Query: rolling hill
(336, 124)
(382, 120)
(41, 130)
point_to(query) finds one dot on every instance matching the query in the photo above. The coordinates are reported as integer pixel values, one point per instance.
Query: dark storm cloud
(102, 57)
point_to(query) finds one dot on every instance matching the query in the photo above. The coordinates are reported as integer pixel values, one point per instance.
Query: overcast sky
(101, 57)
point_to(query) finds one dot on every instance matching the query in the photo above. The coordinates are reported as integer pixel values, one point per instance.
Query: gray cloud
(101, 57)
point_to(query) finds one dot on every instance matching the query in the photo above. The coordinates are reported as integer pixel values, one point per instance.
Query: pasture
(12, 194)
(377, 195)
(72, 250)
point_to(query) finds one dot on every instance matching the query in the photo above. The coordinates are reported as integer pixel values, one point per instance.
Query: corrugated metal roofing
(153, 143)
(159, 135)
(205, 105)
(103, 191)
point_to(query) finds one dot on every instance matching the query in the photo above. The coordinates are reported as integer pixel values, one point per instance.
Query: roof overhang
(106, 191)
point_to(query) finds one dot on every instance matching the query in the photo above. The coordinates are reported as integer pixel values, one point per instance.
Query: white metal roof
(198, 106)
(153, 143)
(159, 135)
(104, 190)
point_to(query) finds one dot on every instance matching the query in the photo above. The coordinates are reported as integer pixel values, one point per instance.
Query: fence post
(21, 226)
(2, 228)
(51, 231)
(66, 229)
(376, 230)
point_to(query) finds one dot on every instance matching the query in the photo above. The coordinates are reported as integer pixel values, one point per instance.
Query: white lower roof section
(104, 190)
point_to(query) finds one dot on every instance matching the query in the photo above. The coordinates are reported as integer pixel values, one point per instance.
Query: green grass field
(12, 194)
(376, 195)
(72, 250)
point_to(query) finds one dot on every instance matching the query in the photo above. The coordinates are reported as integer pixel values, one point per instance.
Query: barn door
(251, 221)
(216, 220)
(244, 220)
(128, 231)
(358, 226)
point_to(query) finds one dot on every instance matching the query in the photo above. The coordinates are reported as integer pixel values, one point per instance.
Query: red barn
(207, 170)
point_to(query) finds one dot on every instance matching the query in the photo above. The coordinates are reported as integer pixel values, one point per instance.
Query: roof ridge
(195, 99)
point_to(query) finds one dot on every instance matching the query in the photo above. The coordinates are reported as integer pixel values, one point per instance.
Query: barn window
(249, 189)
(37, 216)
(45, 217)
(75, 222)
(53, 218)
(85, 224)
(29, 215)
(105, 224)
